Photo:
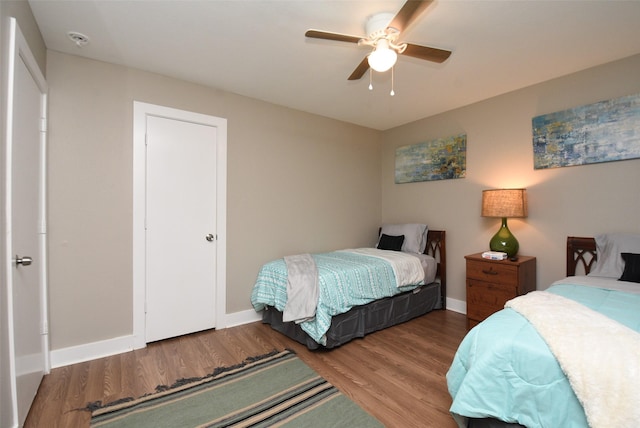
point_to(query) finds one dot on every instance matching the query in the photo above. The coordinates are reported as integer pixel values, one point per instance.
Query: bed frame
(581, 256)
(379, 314)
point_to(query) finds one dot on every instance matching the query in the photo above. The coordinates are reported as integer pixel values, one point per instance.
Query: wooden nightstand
(490, 283)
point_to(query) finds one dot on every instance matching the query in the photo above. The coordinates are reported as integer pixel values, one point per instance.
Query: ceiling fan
(383, 31)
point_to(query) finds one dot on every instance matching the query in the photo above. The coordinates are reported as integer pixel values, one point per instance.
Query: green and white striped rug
(277, 389)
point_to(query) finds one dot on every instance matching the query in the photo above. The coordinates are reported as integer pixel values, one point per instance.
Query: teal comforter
(504, 370)
(345, 280)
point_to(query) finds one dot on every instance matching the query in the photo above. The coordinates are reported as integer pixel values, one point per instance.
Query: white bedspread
(406, 267)
(600, 356)
(601, 282)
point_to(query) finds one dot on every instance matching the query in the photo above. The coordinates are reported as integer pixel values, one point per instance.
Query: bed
(373, 310)
(568, 356)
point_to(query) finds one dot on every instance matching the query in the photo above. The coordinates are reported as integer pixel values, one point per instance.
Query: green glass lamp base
(504, 241)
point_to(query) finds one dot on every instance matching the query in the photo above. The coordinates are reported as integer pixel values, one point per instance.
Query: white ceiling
(258, 49)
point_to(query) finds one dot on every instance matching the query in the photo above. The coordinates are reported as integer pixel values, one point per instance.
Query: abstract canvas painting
(602, 132)
(439, 159)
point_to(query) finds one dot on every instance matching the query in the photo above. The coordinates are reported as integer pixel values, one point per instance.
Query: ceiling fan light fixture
(382, 58)
(383, 33)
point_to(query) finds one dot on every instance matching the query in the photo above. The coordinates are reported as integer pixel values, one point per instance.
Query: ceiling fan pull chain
(392, 93)
(370, 80)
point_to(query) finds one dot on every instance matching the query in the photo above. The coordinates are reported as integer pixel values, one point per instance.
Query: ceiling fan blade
(426, 53)
(360, 69)
(410, 11)
(326, 35)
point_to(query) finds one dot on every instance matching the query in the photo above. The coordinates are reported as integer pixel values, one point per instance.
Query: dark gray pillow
(388, 242)
(631, 267)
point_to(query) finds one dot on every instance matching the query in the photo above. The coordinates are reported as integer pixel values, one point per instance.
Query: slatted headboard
(581, 255)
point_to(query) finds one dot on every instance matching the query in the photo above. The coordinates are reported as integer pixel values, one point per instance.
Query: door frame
(19, 51)
(140, 112)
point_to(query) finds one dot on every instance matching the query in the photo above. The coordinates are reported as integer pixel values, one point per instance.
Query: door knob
(209, 237)
(24, 261)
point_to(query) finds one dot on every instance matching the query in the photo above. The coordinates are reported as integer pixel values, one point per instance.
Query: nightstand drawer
(495, 272)
(485, 298)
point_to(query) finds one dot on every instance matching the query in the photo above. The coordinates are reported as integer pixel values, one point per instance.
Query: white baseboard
(455, 305)
(91, 351)
(243, 317)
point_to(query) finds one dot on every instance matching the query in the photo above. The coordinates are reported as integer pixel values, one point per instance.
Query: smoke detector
(78, 38)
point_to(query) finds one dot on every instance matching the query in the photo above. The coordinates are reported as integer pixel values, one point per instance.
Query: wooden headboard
(581, 255)
(436, 247)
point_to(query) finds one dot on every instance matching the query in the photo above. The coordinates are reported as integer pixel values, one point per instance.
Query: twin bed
(358, 290)
(568, 356)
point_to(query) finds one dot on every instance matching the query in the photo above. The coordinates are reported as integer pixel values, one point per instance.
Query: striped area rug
(277, 389)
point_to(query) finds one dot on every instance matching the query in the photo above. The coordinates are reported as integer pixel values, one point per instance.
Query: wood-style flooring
(397, 374)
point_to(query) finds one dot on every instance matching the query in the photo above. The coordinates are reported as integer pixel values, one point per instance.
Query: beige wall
(580, 200)
(296, 183)
(22, 12)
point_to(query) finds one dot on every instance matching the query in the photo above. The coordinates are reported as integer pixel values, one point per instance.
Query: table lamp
(504, 203)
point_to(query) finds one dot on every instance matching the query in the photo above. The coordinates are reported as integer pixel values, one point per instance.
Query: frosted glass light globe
(382, 58)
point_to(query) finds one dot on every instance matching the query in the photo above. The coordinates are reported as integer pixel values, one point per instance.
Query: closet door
(179, 222)
(180, 227)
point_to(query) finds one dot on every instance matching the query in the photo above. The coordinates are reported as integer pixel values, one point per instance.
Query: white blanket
(600, 356)
(302, 288)
(407, 268)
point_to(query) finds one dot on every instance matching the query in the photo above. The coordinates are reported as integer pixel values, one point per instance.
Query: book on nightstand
(494, 255)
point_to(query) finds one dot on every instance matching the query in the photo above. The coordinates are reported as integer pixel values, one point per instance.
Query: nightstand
(490, 283)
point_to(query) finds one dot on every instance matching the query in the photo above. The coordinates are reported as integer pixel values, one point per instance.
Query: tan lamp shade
(504, 203)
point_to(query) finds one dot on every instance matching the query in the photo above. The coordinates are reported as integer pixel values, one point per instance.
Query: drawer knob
(489, 272)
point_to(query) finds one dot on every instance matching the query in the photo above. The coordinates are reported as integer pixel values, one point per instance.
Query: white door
(180, 227)
(26, 221)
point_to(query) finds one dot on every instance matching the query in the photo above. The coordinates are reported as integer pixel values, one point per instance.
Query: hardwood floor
(397, 375)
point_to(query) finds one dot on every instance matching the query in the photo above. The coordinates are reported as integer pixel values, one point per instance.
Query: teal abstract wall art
(602, 132)
(439, 159)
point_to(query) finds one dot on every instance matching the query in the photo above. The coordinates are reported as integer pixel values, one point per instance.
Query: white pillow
(609, 246)
(415, 236)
